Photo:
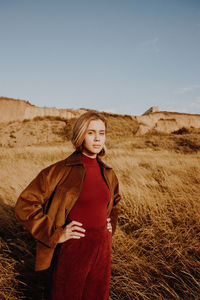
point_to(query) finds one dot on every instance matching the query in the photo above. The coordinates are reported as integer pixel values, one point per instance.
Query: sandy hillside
(32, 132)
(18, 110)
(167, 122)
(156, 248)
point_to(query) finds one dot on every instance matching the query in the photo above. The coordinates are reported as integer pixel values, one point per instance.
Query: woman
(72, 207)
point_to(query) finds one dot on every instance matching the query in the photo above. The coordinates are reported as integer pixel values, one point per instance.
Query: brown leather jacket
(43, 207)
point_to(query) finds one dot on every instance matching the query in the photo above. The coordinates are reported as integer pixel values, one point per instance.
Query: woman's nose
(96, 137)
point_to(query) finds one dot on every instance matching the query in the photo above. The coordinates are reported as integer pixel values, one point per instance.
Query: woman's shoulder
(64, 163)
(56, 169)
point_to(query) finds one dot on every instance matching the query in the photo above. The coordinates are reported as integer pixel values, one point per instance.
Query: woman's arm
(29, 210)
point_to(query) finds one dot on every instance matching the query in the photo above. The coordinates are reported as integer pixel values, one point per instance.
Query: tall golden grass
(156, 248)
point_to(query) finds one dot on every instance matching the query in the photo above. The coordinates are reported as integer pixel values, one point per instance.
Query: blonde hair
(81, 126)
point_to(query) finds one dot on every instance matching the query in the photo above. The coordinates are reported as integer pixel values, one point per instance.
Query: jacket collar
(75, 159)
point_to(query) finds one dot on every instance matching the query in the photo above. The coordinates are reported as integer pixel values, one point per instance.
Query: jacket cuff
(114, 217)
(53, 241)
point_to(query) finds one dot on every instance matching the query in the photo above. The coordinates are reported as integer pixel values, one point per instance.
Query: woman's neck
(89, 154)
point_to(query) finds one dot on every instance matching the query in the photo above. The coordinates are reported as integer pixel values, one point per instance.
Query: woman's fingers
(75, 223)
(73, 228)
(75, 233)
(109, 226)
(75, 237)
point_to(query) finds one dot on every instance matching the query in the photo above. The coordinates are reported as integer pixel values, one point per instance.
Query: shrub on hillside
(182, 130)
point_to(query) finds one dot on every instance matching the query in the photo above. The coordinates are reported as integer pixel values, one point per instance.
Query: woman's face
(94, 138)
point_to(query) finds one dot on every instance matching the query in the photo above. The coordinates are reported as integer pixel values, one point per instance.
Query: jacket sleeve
(29, 211)
(116, 206)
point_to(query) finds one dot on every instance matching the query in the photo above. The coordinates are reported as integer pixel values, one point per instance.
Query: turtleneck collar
(75, 159)
(88, 161)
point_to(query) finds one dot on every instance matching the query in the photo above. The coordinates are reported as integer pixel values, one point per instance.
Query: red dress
(82, 268)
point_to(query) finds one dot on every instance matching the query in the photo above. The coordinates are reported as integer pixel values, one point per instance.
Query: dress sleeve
(29, 211)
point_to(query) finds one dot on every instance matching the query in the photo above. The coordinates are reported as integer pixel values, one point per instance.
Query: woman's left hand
(109, 226)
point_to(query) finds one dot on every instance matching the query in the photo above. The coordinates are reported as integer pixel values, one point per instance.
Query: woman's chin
(92, 151)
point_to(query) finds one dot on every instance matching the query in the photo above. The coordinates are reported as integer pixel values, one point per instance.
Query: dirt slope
(166, 122)
(32, 132)
(18, 110)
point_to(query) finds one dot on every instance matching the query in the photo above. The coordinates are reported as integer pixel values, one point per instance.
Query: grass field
(156, 248)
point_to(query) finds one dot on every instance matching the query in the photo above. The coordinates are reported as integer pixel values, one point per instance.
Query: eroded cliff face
(166, 122)
(19, 110)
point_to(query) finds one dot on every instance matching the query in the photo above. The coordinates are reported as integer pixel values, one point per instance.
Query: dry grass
(156, 248)
(50, 129)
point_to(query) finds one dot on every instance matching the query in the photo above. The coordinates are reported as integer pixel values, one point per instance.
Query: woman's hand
(109, 226)
(72, 230)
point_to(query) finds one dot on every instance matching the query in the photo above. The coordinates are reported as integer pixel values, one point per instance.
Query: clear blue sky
(121, 56)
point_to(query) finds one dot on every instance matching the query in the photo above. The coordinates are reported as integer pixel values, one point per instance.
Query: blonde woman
(72, 207)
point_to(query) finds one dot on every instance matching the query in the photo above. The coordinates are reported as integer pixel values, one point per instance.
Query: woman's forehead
(96, 124)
